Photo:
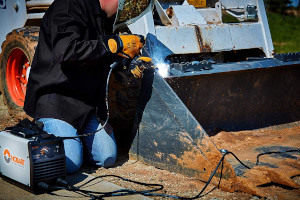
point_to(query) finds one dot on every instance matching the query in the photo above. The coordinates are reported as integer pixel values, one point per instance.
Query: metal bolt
(24, 67)
(23, 75)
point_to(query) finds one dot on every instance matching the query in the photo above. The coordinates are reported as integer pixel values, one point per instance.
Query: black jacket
(68, 74)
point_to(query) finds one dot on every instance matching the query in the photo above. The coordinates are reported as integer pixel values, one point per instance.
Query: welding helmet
(131, 10)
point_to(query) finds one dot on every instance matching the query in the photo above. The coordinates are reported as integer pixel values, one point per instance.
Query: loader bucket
(169, 137)
(245, 99)
(175, 113)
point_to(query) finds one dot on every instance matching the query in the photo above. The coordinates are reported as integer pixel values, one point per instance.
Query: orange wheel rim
(16, 76)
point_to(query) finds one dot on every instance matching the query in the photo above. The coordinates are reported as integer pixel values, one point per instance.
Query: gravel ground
(5, 119)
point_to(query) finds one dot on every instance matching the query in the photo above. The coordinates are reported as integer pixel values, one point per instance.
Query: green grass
(285, 32)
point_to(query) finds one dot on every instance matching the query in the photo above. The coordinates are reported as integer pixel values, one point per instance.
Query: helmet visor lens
(130, 10)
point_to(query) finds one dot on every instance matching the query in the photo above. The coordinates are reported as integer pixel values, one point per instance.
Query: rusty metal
(202, 3)
(170, 12)
(198, 34)
(38, 3)
(36, 8)
(206, 48)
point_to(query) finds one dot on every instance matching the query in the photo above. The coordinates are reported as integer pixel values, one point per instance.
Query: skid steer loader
(212, 74)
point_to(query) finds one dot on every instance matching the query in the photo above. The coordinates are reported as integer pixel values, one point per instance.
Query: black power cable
(239, 160)
(114, 65)
(224, 152)
(199, 195)
(272, 152)
(123, 192)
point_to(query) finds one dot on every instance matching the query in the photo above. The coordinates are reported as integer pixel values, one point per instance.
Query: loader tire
(15, 61)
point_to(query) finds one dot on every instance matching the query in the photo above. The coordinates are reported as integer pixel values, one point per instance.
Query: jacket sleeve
(68, 23)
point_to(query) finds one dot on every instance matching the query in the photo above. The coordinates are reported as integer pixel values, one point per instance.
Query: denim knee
(109, 162)
(74, 155)
(104, 159)
(73, 147)
(101, 147)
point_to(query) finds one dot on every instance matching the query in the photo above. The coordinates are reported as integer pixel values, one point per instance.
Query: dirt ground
(5, 118)
(245, 144)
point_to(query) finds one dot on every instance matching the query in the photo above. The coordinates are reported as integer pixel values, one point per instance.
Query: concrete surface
(9, 191)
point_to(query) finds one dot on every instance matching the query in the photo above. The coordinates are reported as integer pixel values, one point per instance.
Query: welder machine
(30, 156)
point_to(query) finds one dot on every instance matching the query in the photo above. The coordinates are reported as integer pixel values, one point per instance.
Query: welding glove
(127, 46)
(139, 64)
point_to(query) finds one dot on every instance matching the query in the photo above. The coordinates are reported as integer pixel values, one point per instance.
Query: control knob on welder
(45, 152)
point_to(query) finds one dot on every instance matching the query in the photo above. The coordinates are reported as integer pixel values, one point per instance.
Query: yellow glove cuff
(145, 59)
(112, 45)
(131, 45)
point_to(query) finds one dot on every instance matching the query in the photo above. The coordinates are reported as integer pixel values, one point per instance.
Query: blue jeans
(101, 147)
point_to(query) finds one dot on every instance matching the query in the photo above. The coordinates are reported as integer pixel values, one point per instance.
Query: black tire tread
(28, 38)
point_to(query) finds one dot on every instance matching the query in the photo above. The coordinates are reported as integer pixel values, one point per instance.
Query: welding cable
(158, 186)
(203, 189)
(120, 192)
(107, 110)
(229, 152)
(125, 192)
(271, 152)
(46, 187)
(261, 154)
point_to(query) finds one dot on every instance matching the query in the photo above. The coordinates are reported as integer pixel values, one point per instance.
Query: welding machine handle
(26, 129)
